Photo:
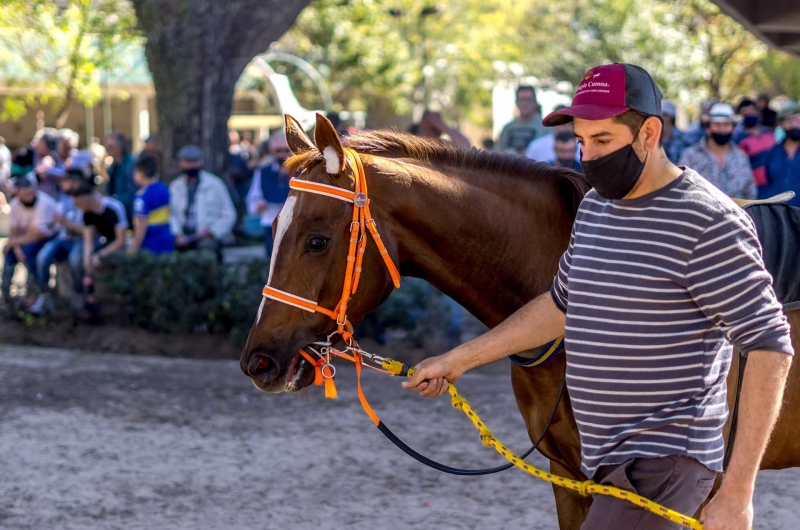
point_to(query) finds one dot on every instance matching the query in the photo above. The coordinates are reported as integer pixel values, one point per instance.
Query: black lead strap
(470, 472)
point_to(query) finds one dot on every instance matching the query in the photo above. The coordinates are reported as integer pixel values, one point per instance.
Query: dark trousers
(29, 251)
(677, 482)
(206, 243)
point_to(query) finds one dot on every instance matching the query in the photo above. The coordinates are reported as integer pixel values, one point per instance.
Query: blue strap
(549, 350)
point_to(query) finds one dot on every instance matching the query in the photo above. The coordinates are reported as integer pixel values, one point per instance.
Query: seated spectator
(783, 163)
(270, 188)
(105, 223)
(150, 209)
(720, 160)
(201, 210)
(565, 150)
(542, 148)
(671, 137)
(47, 164)
(32, 220)
(66, 246)
(240, 175)
(119, 174)
(754, 139)
(518, 134)
(433, 126)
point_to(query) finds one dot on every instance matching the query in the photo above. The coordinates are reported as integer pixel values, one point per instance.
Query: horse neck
(489, 241)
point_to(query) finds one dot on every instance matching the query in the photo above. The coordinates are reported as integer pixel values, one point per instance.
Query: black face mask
(29, 204)
(721, 139)
(614, 175)
(192, 173)
(750, 121)
(793, 134)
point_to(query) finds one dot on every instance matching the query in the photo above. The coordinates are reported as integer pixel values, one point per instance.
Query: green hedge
(192, 292)
(186, 292)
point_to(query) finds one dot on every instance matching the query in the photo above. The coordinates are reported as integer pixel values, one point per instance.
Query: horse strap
(585, 488)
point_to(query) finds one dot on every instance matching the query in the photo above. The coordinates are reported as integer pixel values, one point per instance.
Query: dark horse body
(485, 229)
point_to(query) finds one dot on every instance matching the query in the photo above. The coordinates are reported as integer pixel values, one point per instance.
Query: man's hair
(746, 102)
(634, 120)
(120, 139)
(526, 87)
(147, 164)
(85, 184)
(565, 137)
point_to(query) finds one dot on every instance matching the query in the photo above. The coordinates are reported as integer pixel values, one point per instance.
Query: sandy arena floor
(120, 442)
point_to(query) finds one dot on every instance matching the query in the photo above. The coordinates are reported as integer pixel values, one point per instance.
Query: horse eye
(317, 244)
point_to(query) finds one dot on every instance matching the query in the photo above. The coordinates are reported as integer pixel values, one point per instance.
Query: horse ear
(329, 145)
(296, 137)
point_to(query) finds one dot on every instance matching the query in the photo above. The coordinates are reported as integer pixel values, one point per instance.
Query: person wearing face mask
(565, 150)
(33, 224)
(783, 163)
(754, 139)
(270, 187)
(720, 160)
(661, 279)
(202, 214)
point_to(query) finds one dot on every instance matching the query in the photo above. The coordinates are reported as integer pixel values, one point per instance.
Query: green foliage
(452, 58)
(187, 292)
(56, 50)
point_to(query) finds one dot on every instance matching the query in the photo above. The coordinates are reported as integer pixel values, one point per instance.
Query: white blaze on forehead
(261, 308)
(332, 162)
(284, 220)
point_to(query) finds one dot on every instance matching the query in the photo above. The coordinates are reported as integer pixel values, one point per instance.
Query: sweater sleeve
(560, 289)
(727, 280)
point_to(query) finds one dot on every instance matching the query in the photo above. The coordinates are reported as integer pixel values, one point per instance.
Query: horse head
(309, 258)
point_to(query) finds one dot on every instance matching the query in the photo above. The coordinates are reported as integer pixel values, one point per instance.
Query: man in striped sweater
(662, 278)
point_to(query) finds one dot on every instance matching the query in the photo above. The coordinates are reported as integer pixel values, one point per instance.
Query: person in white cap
(720, 160)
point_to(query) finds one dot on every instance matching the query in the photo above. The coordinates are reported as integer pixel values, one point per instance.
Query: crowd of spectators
(77, 207)
(80, 206)
(747, 152)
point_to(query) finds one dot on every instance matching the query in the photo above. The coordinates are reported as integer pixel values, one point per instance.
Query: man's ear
(329, 145)
(650, 133)
(296, 137)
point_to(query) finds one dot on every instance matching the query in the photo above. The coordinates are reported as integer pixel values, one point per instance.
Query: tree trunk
(197, 49)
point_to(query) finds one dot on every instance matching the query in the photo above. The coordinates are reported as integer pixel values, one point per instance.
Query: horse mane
(395, 144)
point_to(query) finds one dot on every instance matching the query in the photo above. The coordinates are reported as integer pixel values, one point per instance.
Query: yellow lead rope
(585, 488)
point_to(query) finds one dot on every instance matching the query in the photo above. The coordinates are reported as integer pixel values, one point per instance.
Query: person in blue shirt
(783, 160)
(150, 209)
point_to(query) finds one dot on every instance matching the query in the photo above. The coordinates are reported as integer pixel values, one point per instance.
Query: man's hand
(19, 254)
(433, 376)
(60, 219)
(180, 240)
(729, 510)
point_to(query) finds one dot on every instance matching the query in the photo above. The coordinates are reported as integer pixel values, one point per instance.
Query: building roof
(776, 22)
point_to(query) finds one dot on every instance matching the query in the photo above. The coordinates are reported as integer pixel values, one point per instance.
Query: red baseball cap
(609, 90)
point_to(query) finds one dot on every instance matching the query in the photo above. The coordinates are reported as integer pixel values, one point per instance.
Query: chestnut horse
(486, 229)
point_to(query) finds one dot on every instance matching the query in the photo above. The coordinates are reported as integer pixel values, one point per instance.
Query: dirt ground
(107, 441)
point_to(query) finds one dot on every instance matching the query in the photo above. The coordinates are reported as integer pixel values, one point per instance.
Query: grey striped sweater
(656, 290)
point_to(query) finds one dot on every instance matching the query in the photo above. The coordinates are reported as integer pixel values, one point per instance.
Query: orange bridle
(361, 224)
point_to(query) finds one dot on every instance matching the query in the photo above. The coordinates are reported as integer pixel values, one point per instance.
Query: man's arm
(88, 248)
(760, 403)
(117, 244)
(536, 323)
(140, 224)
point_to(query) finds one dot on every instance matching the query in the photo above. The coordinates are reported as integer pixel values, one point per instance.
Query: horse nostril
(262, 367)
